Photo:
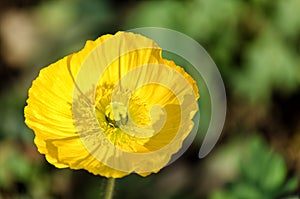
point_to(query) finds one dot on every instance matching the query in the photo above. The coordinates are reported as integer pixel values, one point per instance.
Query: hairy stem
(109, 188)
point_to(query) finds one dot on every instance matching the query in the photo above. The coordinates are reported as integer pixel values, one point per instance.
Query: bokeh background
(256, 46)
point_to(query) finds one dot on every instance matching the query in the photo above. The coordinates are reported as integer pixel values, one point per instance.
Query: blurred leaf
(256, 158)
(287, 17)
(203, 19)
(222, 195)
(275, 173)
(262, 173)
(168, 14)
(290, 185)
(269, 64)
(55, 16)
(247, 191)
(20, 166)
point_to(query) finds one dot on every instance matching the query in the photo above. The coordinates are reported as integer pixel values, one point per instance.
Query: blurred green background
(255, 44)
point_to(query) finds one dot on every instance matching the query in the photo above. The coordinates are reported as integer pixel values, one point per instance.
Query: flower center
(116, 114)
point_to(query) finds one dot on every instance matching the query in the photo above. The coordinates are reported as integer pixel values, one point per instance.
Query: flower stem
(109, 188)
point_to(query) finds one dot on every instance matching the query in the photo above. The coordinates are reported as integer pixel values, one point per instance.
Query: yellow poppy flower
(113, 108)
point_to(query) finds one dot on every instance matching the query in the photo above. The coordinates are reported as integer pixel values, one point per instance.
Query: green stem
(109, 188)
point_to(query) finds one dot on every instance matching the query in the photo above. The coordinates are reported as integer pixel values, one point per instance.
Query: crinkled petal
(68, 101)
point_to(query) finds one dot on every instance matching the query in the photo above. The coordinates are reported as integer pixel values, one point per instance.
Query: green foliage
(20, 176)
(269, 63)
(254, 43)
(262, 174)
